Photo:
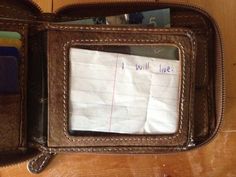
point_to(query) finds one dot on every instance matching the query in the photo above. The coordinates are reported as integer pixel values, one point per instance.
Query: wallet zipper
(35, 5)
(221, 52)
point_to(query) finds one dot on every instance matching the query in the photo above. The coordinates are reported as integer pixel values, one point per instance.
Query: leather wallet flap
(58, 69)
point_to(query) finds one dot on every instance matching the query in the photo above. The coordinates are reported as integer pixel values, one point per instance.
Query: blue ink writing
(165, 69)
(123, 66)
(161, 68)
(142, 67)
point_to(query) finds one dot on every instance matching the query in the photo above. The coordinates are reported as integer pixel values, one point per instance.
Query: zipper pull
(39, 163)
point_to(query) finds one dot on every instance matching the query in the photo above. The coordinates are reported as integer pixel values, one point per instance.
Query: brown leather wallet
(35, 123)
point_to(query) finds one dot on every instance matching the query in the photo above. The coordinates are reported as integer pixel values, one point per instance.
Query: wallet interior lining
(13, 106)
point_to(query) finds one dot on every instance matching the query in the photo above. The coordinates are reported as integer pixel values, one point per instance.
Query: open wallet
(106, 88)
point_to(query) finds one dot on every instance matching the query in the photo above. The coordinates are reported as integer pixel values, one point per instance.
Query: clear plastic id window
(124, 93)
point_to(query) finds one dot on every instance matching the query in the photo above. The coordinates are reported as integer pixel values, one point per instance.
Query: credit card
(4, 42)
(9, 82)
(10, 35)
(10, 51)
(156, 18)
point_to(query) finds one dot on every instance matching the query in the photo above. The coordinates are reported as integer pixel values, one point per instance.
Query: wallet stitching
(65, 84)
(118, 139)
(205, 99)
(22, 80)
(112, 29)
(42, 164)
(131, 149)
(22, 84)
(199, 31)
(114, 40)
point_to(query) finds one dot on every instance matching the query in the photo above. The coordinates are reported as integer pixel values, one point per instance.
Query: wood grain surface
(45, 5)
(216, 159)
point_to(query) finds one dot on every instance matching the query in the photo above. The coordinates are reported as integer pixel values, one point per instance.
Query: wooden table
(217, 159)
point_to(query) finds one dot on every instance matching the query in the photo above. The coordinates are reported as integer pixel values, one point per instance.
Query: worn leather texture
(37, 84)
(203, 31)
(41, 107)
(65, 37)
(13, 107)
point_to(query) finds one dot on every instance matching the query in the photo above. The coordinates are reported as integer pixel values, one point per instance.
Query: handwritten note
(119, 93)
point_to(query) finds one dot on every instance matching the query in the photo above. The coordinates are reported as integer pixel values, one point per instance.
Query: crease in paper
(119, 93)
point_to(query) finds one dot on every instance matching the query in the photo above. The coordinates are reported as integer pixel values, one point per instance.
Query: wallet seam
(205, 78)
(123, 150)
(205, 59)
(199, 31)
(65, 81)
(187, 32)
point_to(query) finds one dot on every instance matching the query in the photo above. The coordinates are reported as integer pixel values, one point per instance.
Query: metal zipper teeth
(108, 5)
(35, 5)
(192, 7)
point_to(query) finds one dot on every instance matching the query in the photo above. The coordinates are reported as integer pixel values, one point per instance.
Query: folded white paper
(118, 93)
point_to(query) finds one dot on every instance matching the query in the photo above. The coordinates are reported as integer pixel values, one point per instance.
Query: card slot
(9, 75)
(13, 79)
(10, 118)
